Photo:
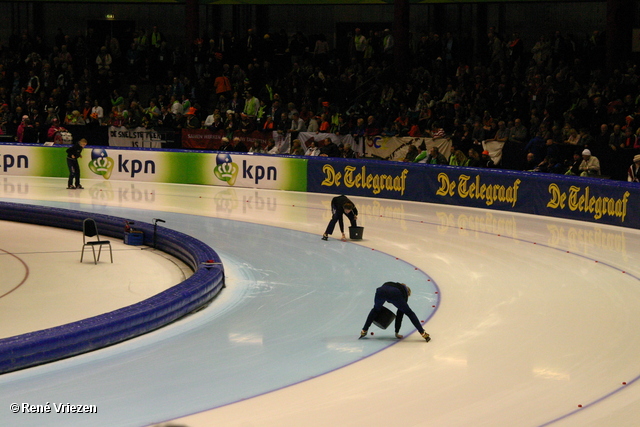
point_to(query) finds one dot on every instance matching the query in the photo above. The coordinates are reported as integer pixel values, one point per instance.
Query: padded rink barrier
(48, 345)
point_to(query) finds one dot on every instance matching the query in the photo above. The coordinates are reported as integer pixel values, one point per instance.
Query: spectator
(590, 165)
(296, 148)
(435, 157)
(312, 148)
(238, 146)
(486, 161)
(348, 153)
(633, 173)
(330, 149)
(474, 158)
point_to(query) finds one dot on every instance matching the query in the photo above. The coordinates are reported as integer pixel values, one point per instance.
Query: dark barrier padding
(596, 200)
(52, 344)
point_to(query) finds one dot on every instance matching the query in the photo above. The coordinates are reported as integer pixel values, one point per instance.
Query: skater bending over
(341, 205)
(398, 295)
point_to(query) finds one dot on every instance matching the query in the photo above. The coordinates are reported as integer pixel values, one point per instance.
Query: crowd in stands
(550, 101)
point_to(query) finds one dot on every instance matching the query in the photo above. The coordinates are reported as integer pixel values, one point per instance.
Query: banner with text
(586, 199)
(140, 137)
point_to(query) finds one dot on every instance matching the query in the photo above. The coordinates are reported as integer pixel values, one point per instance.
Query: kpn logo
(225, 169)
(101, 164)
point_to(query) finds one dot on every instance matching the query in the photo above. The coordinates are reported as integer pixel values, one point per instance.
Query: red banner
(204, 139)
(201, 139)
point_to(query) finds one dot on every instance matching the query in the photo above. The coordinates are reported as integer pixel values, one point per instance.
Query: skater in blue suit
(341, 205)
(397, 294)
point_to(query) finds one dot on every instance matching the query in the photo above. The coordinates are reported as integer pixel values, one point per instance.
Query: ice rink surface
(533, 319)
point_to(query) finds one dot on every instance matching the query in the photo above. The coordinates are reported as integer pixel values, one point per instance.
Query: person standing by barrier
(397, 294)
(341, 205)
(73, 154)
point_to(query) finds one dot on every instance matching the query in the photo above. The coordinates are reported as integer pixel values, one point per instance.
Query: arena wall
(597, 200)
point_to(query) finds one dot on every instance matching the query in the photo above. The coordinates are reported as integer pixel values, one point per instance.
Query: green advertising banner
(32, 161)
(179, 167)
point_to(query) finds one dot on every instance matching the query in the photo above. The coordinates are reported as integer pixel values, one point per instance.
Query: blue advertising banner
(586, 199)
(389, 180)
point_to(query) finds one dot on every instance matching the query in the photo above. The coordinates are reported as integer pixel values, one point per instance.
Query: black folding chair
(91, 237)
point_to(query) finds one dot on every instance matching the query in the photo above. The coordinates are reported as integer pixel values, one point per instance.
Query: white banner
(339, 140)
(395, 148)
(140, 137)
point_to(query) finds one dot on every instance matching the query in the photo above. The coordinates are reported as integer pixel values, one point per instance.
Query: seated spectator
(531, 163)
(435, 157)
(502, 133)
(238, 146)
(76, 118)
(225, 144)
(257, 148)
(412, 153)
(268, 125)
(415, 131)
(629, 139)
(214, 122)
(246, 124)
(313, 125)
(590, 165)
(633, 173)
(54, 129)
(474, 158)
(371, 128)
(348, 153)
(573, 138)
(486, 161)
(457, 158)
(272, 148)
(312, 148)
(329, 149)
(436, 131)
(192, 120)
(296, 148)
(325, 123)
(422, 153)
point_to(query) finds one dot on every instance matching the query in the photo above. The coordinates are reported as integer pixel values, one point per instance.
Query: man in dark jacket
(330, 149)
(397, 294)
(73, 154)
(341, 205)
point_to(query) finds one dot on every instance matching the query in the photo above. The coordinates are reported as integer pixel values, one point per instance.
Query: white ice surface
(535, 316)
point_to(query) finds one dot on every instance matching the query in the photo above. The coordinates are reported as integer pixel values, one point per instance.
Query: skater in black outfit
(73, 154)
(397, 294)
(341, 205)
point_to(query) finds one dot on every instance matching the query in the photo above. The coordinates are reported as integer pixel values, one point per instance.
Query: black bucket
(384, 318)
(355, 233)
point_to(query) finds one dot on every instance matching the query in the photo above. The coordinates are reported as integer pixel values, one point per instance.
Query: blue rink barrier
(96, 332)
(596, 200)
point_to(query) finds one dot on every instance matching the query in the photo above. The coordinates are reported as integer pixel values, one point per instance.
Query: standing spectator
(104, 61)
(359, 45)
(513, 151)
